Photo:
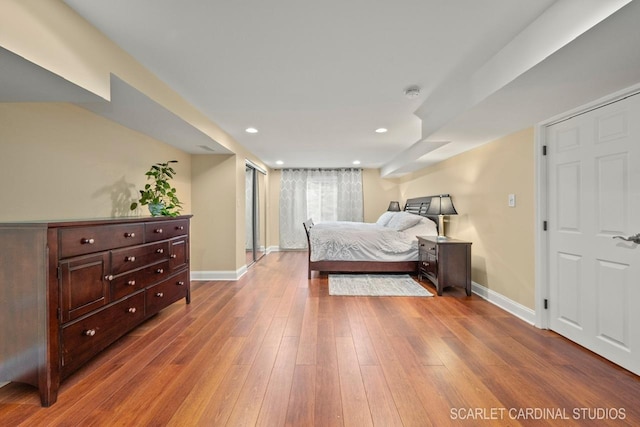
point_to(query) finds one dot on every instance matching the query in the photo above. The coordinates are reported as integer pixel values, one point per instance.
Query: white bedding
(359, 241)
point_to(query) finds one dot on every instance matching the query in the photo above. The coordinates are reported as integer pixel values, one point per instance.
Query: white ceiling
(317, 78)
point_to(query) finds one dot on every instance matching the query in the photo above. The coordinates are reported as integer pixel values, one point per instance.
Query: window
(320, 194)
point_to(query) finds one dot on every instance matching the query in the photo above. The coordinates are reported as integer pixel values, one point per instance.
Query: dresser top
(91, 221)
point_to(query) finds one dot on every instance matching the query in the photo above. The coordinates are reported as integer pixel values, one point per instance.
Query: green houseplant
(160, 195)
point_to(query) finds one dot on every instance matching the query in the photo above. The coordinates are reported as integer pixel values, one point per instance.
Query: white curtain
(319, 194)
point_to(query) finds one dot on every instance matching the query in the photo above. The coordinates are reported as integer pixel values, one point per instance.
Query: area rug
(377, 285)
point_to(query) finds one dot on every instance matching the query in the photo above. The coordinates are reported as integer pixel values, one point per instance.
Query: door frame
(541, 239)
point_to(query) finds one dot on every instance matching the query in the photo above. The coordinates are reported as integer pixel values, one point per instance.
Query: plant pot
(156, 209)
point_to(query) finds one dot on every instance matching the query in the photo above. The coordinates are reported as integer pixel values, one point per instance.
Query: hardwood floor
(275, 349)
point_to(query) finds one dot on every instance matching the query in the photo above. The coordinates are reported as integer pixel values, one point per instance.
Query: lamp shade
(394, 207)
(441, 205)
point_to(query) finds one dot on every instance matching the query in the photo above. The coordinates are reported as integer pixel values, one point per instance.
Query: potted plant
(160, 195)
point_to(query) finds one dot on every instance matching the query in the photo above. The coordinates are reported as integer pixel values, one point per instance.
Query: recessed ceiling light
(356, 162)
(381, 130)
(251, 130)
(279, 162)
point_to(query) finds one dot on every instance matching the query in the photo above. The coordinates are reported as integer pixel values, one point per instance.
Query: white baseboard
(278, 249)
(218, 275)
(508, 305)
(225, 275)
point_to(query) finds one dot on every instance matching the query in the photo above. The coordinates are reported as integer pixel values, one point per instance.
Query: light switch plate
(512, 200)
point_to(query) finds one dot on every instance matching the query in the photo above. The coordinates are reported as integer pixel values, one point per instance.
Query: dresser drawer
(126, 284)
(178, 253)
(85, 337)
(131, 258)
(430, 267)
(167, 292)
(428, 248)
(166, 229)
(130, 282)
(84, 240)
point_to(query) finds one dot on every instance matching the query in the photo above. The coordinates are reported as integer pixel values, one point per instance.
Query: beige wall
(239, 212)
(273, 219)
(213, 191)
(480, 182)
(377, 193)
(60, 161)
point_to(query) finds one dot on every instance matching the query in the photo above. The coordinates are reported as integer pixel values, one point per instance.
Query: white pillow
(425, 227)
(385, 218)
(403, 220)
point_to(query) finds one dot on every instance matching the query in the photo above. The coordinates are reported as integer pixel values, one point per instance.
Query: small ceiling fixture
(279, 162)
(381, 130)
(356, 162)
(412, 92)
(251, 130)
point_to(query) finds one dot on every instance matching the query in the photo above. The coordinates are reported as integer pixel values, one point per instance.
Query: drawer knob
(158, 230)
(130, 258)
(181, 283)
(174, 256)
(89, 332)
(131, 283)
(160, 251)
(132, 310)
(160, 271)
(129, 234)
(422, 244)
(180, 227)
(109, 277)
(87, 241)
(159, 294)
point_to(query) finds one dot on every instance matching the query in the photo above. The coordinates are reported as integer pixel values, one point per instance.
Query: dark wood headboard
(420, 206)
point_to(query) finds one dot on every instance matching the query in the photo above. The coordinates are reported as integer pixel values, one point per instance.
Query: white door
(594, 195)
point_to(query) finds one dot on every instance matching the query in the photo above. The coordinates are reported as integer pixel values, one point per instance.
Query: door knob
(635, 239)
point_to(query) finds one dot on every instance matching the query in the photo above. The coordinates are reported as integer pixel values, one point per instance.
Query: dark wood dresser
(68, 289)
(445, 262)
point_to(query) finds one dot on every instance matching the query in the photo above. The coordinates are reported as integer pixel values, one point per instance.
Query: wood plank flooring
(274, 349)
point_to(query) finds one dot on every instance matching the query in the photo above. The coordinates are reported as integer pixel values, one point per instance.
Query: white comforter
(358, 241)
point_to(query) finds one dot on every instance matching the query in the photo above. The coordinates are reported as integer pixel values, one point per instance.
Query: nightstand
(445, 262)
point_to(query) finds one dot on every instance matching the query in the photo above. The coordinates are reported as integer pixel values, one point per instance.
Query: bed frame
(417, 206)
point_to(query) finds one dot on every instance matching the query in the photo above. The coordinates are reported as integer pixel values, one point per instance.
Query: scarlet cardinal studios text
(537, 413)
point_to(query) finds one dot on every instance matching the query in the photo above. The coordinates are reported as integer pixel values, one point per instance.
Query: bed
(387, 246)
